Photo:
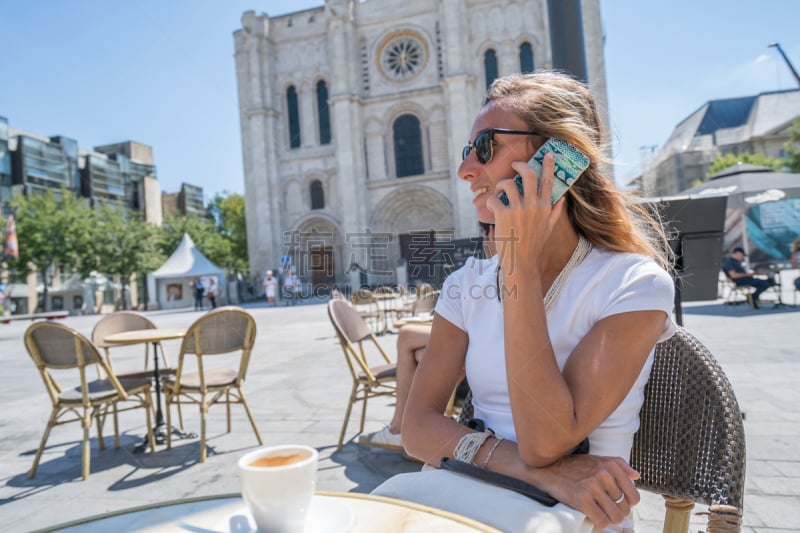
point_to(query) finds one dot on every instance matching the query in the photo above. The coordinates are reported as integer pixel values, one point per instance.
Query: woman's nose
(466, 170)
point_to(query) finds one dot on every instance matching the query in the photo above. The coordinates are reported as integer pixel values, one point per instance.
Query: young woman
(558, 336)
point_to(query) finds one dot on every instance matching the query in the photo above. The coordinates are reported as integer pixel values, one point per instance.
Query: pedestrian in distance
(735, 270)
(199, 291)
(211, 292)
(291, 285)
(270, 287)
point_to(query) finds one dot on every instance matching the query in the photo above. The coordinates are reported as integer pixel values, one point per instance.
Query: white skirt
(498, 507)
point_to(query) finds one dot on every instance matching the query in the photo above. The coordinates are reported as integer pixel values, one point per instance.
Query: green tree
(125, 247)
(227, 211)
(793, 147)
(721, 162)
(204, 234)
(54, 229)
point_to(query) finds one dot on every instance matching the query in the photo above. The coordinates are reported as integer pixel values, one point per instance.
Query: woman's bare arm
(587, 483)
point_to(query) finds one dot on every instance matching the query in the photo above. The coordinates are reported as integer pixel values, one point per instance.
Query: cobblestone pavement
(298, 386)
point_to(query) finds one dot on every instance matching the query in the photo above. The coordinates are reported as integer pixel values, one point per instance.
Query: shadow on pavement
(146, 467)
(368, 467)
(738, 310)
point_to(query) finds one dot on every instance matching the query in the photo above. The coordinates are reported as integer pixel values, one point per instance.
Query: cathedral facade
(353, 118)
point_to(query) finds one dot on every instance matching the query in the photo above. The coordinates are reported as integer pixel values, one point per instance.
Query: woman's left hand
(602, 488)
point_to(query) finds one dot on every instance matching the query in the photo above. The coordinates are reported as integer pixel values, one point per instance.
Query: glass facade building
(112, 174)
(5, 169)
(104, 181)
(41, 165)
(190, 200)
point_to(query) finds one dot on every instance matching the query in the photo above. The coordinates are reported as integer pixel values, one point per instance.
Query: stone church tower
(353, 117)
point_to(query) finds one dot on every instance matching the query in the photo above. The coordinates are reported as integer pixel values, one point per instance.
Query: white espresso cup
(277, 485)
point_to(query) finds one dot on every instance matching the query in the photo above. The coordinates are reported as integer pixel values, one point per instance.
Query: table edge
(479, 526)
(172, 336)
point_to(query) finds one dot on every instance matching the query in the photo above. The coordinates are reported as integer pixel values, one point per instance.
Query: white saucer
(325, 515)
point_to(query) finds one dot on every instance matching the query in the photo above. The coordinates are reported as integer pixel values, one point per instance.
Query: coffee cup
(277, 485)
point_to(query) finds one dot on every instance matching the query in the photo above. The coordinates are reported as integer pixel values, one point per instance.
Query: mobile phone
(570, 164)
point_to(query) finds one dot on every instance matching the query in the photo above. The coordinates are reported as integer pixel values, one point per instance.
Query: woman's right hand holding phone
(522, 227)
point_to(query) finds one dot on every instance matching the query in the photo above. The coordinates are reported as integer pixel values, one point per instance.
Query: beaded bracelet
(468, 446)
(491, 452)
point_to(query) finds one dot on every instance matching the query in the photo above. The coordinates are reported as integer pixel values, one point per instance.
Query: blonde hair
(557, 105)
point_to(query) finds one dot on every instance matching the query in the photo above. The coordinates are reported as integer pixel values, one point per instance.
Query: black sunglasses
(484, 149)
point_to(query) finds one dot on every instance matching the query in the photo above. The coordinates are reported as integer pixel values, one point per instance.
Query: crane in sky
(788, 63)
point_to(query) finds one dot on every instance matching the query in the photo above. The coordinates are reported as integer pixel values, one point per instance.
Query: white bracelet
(491, 452)
(468, 446)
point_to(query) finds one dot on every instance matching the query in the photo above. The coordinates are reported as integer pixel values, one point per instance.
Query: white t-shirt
(604, 284)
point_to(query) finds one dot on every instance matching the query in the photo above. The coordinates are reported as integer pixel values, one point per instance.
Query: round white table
(331, 512)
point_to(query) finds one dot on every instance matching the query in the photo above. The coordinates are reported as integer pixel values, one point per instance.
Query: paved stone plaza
(298, 386)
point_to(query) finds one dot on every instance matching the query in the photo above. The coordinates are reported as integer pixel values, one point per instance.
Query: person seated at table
(558, 339)
(740, 276)
(795, 260)
(411, 342)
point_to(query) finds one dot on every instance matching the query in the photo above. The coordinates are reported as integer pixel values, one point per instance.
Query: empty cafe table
(155, 336)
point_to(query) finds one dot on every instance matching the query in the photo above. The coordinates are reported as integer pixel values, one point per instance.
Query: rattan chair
(405, 302)
(368, 381)
(366, 304)
(225, 330)
(119, 322)
(425, 303)
(690, 446)
(735, 294)
(55, 349)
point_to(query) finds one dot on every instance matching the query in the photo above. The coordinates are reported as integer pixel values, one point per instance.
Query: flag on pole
(10, 247)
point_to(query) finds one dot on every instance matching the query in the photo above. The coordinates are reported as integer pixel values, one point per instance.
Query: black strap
(500, 480)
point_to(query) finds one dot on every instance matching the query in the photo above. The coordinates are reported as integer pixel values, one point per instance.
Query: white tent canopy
(170, 285)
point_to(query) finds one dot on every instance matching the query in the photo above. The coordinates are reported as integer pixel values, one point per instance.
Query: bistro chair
(406, 301)
(735, 294)
(120, 322)
(425, 303)
(690, 446)
(225, 330)
(365, 302)
(388, 299)
(56, 349)
(368, 381)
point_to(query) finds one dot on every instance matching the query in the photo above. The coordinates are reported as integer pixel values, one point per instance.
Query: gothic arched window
(323, 113)
(294, 117)
(407, 146)
(490, 66)
(526, 57)
(317, 195)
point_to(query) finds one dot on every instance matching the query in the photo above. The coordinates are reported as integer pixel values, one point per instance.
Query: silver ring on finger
(620, 499)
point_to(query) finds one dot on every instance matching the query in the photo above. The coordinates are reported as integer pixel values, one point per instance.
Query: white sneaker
(383, 438)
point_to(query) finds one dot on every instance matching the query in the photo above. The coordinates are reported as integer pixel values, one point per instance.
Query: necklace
(578, 255)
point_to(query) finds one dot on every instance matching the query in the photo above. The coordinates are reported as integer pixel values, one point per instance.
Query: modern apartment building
(122, 175)
(5, 169)
(188, 202)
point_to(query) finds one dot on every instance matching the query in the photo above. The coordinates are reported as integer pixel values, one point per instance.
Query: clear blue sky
(162, 72)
